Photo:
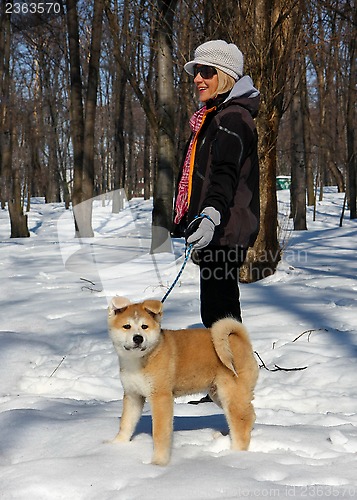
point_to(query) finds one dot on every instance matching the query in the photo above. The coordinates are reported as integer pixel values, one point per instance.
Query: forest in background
(94, 99)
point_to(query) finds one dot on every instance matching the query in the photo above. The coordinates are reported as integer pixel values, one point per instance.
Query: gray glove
(199, 232)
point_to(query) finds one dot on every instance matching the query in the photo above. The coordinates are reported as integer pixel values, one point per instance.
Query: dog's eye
(144, 327)
(127, 327)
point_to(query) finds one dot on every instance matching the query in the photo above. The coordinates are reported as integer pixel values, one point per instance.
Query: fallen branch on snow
(59, 364)
(310, 332)
(87, 287)
(278, 368)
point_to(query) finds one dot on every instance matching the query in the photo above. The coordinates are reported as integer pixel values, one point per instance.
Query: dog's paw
(118, 439)
(160, 460)
(219, 434)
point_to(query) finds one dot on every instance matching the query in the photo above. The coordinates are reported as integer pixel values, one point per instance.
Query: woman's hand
(199, 232)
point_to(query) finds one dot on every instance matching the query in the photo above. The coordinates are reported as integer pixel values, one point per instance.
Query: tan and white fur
(159, 365)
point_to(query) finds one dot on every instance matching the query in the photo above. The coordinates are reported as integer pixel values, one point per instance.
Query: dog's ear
(153, 307)
(118, 304)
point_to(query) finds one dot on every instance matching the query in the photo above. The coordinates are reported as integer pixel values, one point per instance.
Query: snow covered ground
(60, 394)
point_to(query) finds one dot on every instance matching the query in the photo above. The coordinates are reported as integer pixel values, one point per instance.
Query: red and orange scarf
(185, 184)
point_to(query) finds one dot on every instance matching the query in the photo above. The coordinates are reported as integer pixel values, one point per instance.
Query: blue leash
(187, 256)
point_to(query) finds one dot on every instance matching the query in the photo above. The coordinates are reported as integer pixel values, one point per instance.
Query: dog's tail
(221, 331)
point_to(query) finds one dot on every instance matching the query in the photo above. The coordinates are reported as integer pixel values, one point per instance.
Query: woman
(217, 202)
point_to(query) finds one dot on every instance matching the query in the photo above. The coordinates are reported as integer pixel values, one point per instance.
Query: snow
(60, 393)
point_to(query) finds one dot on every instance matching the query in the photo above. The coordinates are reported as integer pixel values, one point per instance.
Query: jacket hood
(245, 94)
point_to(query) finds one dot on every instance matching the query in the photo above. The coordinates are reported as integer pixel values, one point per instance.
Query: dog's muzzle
(138, 341)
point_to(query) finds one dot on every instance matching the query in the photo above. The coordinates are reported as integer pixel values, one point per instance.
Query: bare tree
(119, 90)
(322, 27)
(351, 109)
(83, 124)
(91, 106)
(160, 115)
(134, 65)
(5, 128)
(9, 170)
(76, 99)
(305, 112)
(298, 156)
(266, 35)
(162, 211)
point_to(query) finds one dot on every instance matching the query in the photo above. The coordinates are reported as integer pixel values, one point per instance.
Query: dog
(162, 364)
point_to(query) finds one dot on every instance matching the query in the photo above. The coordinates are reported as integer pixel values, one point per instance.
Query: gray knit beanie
(220, 54)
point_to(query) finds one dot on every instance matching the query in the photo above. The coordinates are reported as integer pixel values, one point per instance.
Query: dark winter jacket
(226, 169)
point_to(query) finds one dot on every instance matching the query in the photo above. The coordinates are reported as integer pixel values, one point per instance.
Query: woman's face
(206, 87)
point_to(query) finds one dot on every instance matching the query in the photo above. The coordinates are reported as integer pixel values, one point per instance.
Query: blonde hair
(225, 82)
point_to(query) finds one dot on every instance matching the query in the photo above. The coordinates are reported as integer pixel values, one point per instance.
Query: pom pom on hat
(220, 54)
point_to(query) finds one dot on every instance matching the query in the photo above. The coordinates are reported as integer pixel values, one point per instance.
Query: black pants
(219, 282)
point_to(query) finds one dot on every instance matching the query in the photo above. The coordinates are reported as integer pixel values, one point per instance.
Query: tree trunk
(147, 163)
(119, 89)
(54, 185)
(298, 171)
(76, 111)
(335, 172)
(9, 169)
(263, 258)
(130, 174)
(163, 210)
(85, 229)
(267, 37)
(351, 120)
(310, 189)
(82, 130)
(48, 88)
(18, 219)
(5, 129)
(119, 86)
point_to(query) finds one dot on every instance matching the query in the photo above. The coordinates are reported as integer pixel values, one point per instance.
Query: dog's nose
(138, 339)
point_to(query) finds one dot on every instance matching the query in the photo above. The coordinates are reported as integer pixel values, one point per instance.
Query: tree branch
(278, 368)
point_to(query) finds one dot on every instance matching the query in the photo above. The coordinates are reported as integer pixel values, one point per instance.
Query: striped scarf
(182, 200)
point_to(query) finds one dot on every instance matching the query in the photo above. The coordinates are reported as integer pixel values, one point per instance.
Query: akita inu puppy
(162, 364)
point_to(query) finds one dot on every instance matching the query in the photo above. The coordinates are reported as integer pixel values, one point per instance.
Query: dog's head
(134, 328)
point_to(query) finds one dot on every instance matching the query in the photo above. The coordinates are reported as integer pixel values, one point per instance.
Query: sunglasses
(207, 72)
